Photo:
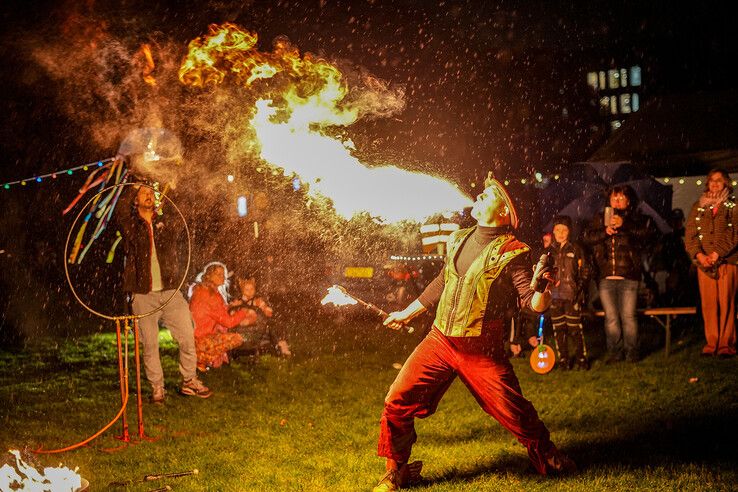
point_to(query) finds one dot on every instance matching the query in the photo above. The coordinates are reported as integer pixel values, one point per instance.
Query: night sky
(487, 85)
(485, 82)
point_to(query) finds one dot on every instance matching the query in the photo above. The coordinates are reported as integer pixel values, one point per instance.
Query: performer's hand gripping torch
(340, 297)
(543, 273)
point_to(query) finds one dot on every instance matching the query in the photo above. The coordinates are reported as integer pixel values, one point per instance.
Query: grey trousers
(176, 317)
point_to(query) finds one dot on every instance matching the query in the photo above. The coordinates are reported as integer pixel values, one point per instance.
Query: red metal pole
(121, 378)
(139, 401)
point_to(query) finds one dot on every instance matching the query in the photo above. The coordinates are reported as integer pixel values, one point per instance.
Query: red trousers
(483, 367)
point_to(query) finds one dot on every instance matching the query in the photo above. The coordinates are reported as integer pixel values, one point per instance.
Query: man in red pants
(487, 273)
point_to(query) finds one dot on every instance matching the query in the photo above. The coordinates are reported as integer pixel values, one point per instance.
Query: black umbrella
(580, 193)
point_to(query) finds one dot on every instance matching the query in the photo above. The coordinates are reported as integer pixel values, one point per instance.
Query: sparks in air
(304, 98)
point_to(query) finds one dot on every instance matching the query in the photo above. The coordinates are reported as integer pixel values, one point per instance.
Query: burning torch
(339, 296)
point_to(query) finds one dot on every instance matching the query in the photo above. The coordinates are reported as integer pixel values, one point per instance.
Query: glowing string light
(54, 174)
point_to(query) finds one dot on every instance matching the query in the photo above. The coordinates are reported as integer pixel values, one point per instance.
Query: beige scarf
(708, 199)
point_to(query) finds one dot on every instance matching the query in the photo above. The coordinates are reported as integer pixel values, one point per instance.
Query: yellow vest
(464, 299)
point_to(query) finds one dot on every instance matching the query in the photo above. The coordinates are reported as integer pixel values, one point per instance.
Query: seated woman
(209, 310)
(257, 332)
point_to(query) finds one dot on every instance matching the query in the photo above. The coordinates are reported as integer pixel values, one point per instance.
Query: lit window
(603, 80)
(635, 102)
(605, 104)
(241, 206)
(624, 77)
(615, 124)
(613, 78)
(625, 103)
(592, 80)
(614, 105)
(635, 75)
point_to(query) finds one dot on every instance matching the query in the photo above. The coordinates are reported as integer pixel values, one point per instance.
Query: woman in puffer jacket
(617, 246)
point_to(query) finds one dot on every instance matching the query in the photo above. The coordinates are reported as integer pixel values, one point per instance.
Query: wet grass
(311, 423)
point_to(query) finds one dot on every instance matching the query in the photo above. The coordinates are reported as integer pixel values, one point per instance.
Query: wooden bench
(668, 314)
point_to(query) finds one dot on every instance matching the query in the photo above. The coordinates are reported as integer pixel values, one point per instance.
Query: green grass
(311, 423)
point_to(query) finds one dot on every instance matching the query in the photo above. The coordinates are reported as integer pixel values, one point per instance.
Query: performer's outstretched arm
(398, 319)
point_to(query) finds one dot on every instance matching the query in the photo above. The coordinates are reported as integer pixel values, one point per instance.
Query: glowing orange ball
(542, 359)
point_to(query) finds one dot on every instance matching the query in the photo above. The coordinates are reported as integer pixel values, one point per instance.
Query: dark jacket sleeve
(639, 227)
(595, 233)
(125, 223)
(123, 213)
(585, 270)
(521, 273)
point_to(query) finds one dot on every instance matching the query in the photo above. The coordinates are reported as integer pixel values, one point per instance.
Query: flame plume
(148, 65)
(299, 98)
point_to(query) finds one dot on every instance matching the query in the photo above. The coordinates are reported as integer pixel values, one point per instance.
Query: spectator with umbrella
(618, 242)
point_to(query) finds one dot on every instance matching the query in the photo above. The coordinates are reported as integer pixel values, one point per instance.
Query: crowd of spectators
(620, 252)
(632, 266)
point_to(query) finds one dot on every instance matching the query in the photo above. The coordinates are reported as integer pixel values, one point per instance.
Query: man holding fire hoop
(487, 272)
(150, 278)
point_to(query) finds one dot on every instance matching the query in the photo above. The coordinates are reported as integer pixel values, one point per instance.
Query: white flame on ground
(26, 477)
(337, 297)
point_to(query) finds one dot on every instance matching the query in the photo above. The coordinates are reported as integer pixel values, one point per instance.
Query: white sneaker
(194, 387)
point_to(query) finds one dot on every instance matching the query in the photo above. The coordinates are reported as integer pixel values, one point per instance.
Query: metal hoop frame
(66, 255)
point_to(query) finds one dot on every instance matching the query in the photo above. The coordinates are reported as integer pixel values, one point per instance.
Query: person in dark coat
(618, 243)
(568, 294)
(151, 280)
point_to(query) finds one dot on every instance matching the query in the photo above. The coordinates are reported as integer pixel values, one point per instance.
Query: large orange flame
(221, 51)
(304, 97)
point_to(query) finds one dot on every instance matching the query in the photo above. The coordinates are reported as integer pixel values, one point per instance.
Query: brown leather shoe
(560, 464)
(390, 482)
(407, 474)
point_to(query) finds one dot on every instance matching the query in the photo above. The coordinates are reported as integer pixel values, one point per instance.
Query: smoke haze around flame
(242, 107)
(294, 116)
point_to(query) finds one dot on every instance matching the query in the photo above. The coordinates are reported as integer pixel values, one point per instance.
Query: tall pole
(122, 375)
(139, 400)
